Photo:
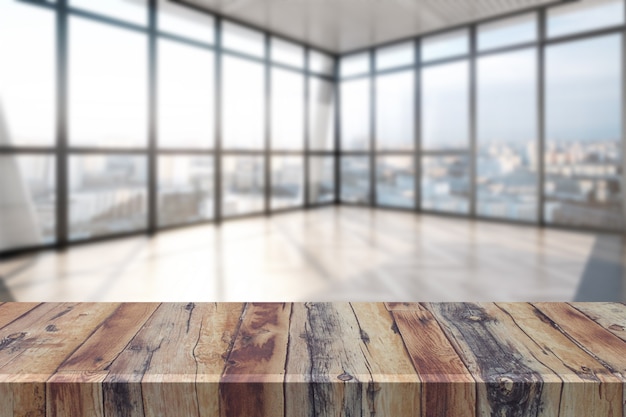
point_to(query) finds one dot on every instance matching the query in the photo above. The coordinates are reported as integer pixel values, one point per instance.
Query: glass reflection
(242, 185)
(445, 183)
(321, 179)
(355, 179)
(287, 182)
(395, 181)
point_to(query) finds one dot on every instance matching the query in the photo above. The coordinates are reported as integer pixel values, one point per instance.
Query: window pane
(183, 21)
(243, 104)
(447, 45)
(507, 135)
(135, 11)
(321, 63)
(445, 106)
(287, 53)
(355, 114)
(355, 64)
(445, 183)
(27, 201)
(287, 182)
(185, 189)
(27, 75)
(321, 115)
(583, 153)
(505, 32)
(242, 39)
(287, 110)
(108, 195)
(395, 111)
(242, 185)
(321, 179)
(185, 96)
(395, 56)
(395, 181)
(355, 179)
(108, 97)
(584, 15)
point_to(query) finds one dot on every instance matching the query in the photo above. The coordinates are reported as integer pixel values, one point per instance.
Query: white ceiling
(343, 25)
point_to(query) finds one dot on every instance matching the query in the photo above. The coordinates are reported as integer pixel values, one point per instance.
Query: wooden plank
(332, 367)
(252, 382)
(603, 345)
(108, 341)
(75, 394)
(12, 311)
(140, 378)
(448, 387)
(510, 381)
(611, 316)
(403, 306)
(75, 388)
(42, 339)
(589, 388)
(394, 388)
(217, 337)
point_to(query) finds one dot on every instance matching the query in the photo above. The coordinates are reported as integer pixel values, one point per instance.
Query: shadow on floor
(603, 277)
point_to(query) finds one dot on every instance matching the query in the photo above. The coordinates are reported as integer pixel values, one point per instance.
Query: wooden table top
(279, 359)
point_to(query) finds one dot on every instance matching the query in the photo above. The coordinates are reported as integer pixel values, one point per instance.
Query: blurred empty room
(263, 150)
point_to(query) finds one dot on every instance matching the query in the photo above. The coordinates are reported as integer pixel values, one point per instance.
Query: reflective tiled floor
(329, 254)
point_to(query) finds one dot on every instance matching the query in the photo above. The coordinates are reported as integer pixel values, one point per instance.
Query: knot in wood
(344, 377)
(506, 383)
(616, 327)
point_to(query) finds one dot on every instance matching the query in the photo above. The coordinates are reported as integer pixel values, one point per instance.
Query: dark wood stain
(513, 389)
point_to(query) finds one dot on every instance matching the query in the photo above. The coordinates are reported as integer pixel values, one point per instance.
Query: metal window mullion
(541, 117)
(152, 118)
(268, 127)
(472, 120)
(62, 180)
(418, 128)
(372, 127)
(217, 108)
(623, 141)
(307, 138)
(337, 87)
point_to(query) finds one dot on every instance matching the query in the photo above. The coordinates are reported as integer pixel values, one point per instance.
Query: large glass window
(108, 80)
(395, 181)
(445, 183)
(445, 106)
(243, 104)
(395, 111)
(135, 11)
(27, 200)
(185, 118)
(583, 139)
(321, 179)
(356, 64)
(584, 15)
(287, 53)
(355, 114)
(108, 195)
(395, 56)
(506, 32)
(355, 179)
(242, 185)
(287, 182)
(321, 63)
(507, 151)
(183, 21)
(287, 110)
(27, 75)
(241, 39)
(321, 114)
(185, 189)
(446, 45)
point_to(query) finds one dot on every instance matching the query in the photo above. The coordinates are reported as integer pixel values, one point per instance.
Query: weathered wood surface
(313, 359)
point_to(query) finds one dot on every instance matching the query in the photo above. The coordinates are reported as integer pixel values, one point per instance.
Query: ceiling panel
(344, 25)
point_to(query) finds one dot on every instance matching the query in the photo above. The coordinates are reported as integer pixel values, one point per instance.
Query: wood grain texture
(448, 387)
(313, 359)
